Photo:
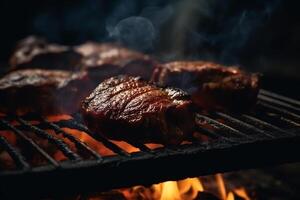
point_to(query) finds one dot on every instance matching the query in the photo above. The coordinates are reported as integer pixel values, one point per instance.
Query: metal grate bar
(14, 154)
(280, 111)
(76, 141)
(229, 131)
(211, 134)
(74, 125)
(270, 128)
(243, 125)
(277, 118)
(58, 142)
(265, 125)
(288, 121)
(278, 102)
(29, 141)
(280, 97)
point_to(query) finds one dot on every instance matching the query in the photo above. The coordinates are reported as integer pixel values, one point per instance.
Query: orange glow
(91, 142)
(9, 136)
(186, 189)
(230, 196)
(242, 193)
(221, 186)
(55, 118)
(126, 146)
(170, 191)
(154, 146)
(190, 187)
(186, 142)
(59, 156)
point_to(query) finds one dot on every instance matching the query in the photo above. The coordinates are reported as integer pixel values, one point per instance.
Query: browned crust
(212, 86)
(127, 108)
(42, 91)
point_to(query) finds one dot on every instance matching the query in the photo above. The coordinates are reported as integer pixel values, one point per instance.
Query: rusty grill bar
(269, 135)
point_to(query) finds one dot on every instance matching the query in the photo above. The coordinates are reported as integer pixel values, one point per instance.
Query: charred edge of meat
(100, 60)
(128, 108)
(106, 60)
(212, 86)
(35, 52)
(43, 91)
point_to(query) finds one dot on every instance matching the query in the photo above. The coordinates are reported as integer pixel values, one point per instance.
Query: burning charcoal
(42, 91)
(34, 52)
(127, 108)
(206, 196)
(106, 60)
(211, 85)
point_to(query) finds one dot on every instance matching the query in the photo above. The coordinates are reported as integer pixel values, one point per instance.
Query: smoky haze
(260, 35)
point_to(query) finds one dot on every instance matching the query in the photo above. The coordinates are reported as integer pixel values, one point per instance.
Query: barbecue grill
(270, 134)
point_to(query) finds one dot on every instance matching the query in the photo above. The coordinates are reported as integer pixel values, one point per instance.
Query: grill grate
(268, 135)
(17, 157)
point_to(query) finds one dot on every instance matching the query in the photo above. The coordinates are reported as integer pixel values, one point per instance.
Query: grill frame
(233, 150)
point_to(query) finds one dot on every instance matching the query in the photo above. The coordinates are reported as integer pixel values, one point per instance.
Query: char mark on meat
(106, 60)
(128, 108)
(211, 85)
(35, 52)
(43, 91)
(100, 60)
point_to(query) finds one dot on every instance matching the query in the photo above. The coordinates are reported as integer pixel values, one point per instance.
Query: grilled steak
(212, 86)
(100, 60)
(34, 52)
(43, 91)
(128, 108)
(107, 60)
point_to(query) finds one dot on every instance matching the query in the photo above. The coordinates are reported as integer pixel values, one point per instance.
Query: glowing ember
(55, 118)
(126, 146)
(90, 141)
(187, 189)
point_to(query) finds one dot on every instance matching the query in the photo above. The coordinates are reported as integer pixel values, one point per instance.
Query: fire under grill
(270, 134)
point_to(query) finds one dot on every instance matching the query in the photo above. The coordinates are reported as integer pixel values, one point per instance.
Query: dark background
(261, 36)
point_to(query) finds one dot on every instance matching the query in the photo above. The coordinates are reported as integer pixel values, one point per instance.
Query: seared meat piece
(34, 52)
(101, 61)
(128, 108)
(211, 85)
(107, 60)
(42, 91)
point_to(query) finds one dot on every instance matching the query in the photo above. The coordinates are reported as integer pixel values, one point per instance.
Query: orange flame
(169, 190)
(186, 189)
(230, 196)
(190, 187)
(242, 193)
(221, 186)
